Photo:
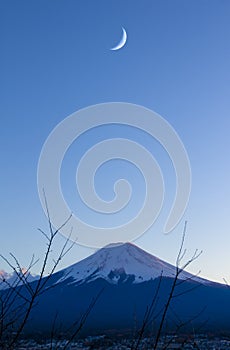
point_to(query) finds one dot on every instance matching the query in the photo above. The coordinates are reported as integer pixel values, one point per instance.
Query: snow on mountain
(12, 279)
(122, 262)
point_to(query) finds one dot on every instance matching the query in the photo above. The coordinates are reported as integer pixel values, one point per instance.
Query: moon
(122, 42)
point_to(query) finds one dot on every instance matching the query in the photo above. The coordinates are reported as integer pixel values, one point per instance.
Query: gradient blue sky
(55, 59)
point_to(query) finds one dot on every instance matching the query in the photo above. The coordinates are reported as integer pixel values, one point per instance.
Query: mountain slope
(126, 278)
(122, 262)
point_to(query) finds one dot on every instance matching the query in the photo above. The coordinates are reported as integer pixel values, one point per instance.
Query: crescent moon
(122, 41)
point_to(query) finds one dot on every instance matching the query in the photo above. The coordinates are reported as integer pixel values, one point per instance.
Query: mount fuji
(121, 263)
(126, 279)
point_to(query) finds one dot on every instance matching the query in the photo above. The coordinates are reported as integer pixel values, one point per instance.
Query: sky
(56, 59)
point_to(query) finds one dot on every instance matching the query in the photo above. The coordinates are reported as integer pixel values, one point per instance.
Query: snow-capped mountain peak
(12, 279)
(121, 262)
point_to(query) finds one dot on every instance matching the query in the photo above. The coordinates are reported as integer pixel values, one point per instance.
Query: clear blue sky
(55, 59)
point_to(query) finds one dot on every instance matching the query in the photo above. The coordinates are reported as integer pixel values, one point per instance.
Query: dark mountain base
(120, 309)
